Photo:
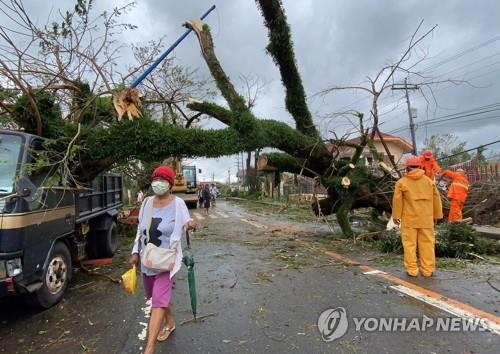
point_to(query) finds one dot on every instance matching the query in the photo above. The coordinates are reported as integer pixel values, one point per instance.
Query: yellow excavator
(185, 183)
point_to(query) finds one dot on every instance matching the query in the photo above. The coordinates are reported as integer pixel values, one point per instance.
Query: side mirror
(199, 170)
(27, 190)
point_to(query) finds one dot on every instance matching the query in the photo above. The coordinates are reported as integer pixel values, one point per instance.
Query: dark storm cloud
(340, 43)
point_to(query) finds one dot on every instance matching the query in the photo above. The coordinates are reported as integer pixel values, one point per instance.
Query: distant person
(416, 206)
(214, 192)
(457, 193)
(200, 197)
(140, 196)
(207, 197)
(429, 164)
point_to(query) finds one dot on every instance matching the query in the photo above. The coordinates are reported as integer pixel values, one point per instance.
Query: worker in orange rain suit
(416, 205)
(457, 193)
(429, 164)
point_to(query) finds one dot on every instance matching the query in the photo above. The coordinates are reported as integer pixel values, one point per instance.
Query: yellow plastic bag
(129, 280)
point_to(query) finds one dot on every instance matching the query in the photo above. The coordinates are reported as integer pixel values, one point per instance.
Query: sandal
(165, 333)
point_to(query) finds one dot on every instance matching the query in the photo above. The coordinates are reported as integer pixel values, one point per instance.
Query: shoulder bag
(154, 257)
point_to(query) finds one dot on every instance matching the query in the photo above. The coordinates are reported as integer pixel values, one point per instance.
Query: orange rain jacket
(429, 166)
(416, 201)
(459, 185)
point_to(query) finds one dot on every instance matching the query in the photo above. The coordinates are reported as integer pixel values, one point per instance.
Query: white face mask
(160, 187)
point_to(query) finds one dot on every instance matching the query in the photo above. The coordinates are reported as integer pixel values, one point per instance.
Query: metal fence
(477, 172)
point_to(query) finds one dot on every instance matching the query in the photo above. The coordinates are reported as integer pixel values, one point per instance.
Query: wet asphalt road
(264, 286)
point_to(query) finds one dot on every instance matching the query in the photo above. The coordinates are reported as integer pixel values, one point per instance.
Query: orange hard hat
(428, 154)
(413, 161)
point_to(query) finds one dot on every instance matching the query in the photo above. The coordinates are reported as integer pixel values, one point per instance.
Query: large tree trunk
(301, 148)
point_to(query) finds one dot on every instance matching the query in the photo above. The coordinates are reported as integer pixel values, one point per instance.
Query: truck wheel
(103, 243)
(55, 278)
(109, 241)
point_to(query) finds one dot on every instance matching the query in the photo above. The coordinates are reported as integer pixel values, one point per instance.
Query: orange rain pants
(455, 210)
(424, 240)
(456, 194)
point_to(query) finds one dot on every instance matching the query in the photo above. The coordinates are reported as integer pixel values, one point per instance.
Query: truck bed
(105, 194)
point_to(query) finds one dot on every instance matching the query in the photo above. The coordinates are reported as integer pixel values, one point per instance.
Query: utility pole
(229, 177)
(237, 165)
(407, 87)
(243, 167)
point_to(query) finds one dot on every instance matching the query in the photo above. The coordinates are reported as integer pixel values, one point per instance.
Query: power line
(493, 107)
(492, 40)
(421, 125)
(451, 58)
(472, 63)
(434, 91)
(402, 129)
(467, 121)
(462, 152)
(462, 53)
(438, 64)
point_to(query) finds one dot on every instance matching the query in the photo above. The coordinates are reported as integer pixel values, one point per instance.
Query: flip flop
(165, 333)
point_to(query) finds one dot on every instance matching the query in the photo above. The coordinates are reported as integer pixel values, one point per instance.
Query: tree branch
(235, 101)
(220, 113)
(282, 162)
(280, 47)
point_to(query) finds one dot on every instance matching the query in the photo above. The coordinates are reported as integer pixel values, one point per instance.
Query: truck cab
(44, 229)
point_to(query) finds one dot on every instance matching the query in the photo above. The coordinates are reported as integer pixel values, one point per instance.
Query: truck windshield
(10, 147)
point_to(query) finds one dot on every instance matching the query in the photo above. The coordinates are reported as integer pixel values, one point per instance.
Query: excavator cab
(185, 183)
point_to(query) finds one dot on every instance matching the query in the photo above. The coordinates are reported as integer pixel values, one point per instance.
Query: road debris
(199, 318)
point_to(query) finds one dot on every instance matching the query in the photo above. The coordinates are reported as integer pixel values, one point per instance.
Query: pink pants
(158, 288)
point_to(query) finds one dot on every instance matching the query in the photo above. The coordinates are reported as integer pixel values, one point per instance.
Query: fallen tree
(101, 142)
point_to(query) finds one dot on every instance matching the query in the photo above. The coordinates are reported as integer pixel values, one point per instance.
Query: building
(396, 145)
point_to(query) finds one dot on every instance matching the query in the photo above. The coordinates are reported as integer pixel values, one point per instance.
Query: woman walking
(162, 221)
(207, 198)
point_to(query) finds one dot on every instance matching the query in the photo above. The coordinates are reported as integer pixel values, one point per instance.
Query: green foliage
(452, 240)
(150, 141)
(280, 135)
(390, 242)
(214, 110)
(443, 145)
(455, 240)
(358, 176)
(283, 162)
(246, 124)
(246, 195)
(90, 109)
(50, 114)
(280, 48)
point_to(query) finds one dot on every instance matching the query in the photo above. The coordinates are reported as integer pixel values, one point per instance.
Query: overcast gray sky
(340, 43)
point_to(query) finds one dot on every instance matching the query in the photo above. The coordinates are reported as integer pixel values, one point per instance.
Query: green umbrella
(188, 260)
